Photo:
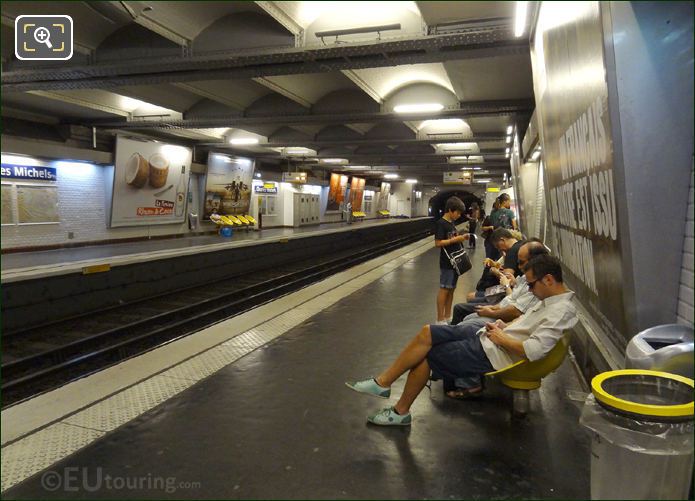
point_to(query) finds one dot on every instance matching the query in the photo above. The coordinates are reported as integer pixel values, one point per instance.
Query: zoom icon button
(43, 38)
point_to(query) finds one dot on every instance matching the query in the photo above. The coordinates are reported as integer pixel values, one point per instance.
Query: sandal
(464, 393)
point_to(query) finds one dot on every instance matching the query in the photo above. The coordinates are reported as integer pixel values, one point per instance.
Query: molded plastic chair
(525, 375)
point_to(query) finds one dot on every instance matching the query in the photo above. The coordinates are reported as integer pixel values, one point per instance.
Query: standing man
(446, 236)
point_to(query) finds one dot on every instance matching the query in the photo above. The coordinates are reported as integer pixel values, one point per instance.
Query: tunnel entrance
(437, 202)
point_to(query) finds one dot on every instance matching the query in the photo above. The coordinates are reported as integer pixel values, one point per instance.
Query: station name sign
(266, 189)
(12, 171)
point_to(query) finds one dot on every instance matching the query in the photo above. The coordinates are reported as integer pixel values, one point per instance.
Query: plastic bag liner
(647, 437)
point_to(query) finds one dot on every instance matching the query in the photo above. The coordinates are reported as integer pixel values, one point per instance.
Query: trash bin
(641, 423)
(667, 348)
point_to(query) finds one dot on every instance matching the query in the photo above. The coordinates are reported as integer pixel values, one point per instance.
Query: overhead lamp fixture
(536, 155)
(466, 168)
(483, 181)
(243, 140)
(507, 151)
(477, 168)
(358, 167)
(334, 160)
(391, 176)
(520, 22)
(418, 108)
(411, 181)
(357, 31)
(296, 151)
(258, 175)
(509, 139)
(509, 130)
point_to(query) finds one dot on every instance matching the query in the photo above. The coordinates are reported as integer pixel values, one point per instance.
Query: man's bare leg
(412, 356)
(449, 302)
(442, 297)
(417, 379)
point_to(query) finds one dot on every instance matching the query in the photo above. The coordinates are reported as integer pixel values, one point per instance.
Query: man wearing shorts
(453, 353)
(446, 236)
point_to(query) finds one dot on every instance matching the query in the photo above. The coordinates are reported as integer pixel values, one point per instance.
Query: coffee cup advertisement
(228, 185)
(150, 183)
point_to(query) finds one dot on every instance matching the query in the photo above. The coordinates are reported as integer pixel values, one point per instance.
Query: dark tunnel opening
(437, 202)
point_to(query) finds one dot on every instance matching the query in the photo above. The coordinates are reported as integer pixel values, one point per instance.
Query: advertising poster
(356, 192)
(37, 204)
(336, 192)
(228, 185)
(578, 160)
(458, 177)
(385, 194)
(150, 183)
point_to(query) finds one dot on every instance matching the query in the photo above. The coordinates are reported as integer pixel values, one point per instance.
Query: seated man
(451, 353)
(518, 298)
(503, 240)
(518, 301)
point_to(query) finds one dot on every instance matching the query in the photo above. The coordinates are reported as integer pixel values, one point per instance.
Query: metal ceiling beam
(466, 110)
(371, 142)
(472, 44)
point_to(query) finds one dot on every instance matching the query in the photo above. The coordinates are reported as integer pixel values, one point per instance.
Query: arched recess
(390, 131)
(288, 134)
(421, 93)
(438, 201)
(245, 30)
(337, 133)
(274, 104)
(133, 41)
(424, 149)
(208, 108)
(346, 101)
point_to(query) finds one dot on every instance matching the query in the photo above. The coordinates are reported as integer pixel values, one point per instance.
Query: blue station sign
(35, 172)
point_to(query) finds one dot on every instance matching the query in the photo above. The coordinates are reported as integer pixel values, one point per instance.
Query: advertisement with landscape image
(356, 192)
(228, 185)
(150, 183)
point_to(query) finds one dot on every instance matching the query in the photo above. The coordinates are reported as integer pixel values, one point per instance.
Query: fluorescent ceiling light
(520, 22)
(391, 176)
(244, 140)
(507, 151)
(358, 167)
(477, 168)
(509, 139)
(297, 151)
(536, 155)
(509, 129)
(466, 168)
(411, 181)
(418, 108)
(483, 181)
(258, 175)
(334, 160)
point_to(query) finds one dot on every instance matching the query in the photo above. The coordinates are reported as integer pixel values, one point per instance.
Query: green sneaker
(389, 417)
(369, 387)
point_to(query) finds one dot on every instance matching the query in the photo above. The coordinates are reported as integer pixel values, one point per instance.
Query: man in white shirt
(442, 350)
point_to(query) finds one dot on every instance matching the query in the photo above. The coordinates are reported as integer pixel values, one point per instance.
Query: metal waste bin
(641, 422)
(667, 348)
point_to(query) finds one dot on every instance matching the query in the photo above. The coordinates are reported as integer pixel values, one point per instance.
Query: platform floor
(280, 424)
(14, 261)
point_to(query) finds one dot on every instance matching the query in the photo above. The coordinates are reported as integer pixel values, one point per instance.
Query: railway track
(43, 358)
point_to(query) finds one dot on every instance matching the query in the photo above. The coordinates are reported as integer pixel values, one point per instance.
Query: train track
(43, 358)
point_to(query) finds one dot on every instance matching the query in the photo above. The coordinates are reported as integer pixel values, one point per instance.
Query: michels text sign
(36, 172)
(266, 189)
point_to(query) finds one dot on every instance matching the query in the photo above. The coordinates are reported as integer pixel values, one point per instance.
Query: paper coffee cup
(137, 171)
(159, 170)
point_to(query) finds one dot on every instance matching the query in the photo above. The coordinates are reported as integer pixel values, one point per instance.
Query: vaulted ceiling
(325, 85)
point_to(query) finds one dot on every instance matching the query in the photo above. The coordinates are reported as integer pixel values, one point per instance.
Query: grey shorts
(447, 279)
(456, 352)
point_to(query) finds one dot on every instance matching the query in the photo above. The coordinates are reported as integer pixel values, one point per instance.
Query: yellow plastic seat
(250, 219)
(234, 220)
(243, 219)
(525, 375)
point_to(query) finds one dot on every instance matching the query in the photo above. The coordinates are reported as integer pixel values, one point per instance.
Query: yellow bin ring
(682, 410)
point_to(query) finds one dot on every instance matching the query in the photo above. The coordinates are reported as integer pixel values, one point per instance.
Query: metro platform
(277, 421)
(35, 264)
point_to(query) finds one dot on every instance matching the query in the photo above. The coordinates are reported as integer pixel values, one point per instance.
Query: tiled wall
(685, 296)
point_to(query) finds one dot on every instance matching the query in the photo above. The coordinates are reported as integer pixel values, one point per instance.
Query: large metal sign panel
(572, 94)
